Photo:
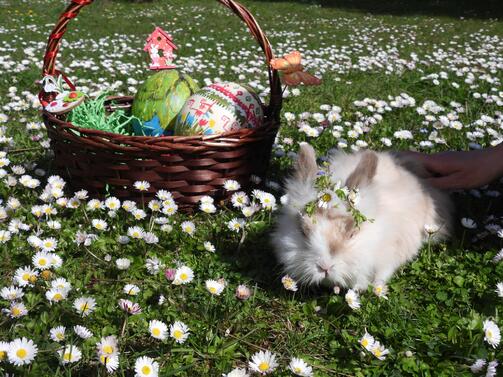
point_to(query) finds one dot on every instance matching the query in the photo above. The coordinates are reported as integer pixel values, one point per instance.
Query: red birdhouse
(160, 46)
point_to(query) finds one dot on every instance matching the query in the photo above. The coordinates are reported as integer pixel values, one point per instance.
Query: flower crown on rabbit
(333, 194)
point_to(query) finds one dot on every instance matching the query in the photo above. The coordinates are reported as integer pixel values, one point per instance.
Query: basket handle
(73, 9)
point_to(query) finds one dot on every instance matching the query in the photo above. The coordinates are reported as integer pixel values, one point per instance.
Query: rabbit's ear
(306, 167)
(364, 172)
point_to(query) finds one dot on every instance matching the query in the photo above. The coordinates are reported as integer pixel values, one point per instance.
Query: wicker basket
(188, 166)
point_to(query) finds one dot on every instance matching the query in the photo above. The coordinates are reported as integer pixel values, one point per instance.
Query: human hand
(462, 170)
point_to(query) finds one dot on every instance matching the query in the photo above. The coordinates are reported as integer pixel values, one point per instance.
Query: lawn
(390, 82)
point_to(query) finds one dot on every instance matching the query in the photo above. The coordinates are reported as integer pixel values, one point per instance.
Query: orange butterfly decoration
(293, 71)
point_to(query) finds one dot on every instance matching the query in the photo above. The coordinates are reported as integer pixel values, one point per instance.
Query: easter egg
(159, 100)
(219, 108)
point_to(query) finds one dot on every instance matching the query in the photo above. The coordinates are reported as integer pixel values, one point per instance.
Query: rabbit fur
(328, 248)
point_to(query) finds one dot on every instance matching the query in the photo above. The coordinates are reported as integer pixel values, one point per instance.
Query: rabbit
(328, 248)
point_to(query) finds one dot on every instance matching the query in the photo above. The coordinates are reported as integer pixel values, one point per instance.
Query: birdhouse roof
(165, 35)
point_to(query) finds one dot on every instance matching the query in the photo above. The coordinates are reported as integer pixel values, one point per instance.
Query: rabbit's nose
(324, 267)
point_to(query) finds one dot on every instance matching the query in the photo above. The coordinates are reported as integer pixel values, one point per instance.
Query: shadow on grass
(450, 8)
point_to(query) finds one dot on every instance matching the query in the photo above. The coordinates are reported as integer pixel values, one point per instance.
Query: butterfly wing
(289, 63)
(300, 77)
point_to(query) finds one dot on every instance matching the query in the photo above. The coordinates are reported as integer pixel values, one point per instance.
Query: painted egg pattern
(218, 108)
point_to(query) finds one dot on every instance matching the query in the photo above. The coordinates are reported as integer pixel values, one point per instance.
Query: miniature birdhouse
(160, 46)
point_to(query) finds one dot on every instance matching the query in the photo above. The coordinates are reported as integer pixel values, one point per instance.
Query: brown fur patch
(364, 172)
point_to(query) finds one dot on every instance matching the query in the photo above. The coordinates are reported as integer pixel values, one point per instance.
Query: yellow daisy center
(365, 342)
(263, 366)
(326, 197)
(60, 336)
(213, 290)
(178, 334)
(297, 370)
(42, 262)
(489, 334)
(21, 353)
(26, 276)
(108, 349)
(3, 355)
(156, 331)
(184, 276)
(48, 244)
(84, 307)
(16, 311)
(378, 290)
(67, 356)
(57, 297)
(377, 352)
(146, 370)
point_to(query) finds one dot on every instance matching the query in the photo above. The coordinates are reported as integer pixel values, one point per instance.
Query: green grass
(436, 304)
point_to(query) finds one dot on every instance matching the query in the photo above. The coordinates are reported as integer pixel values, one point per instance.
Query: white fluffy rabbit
(328, 248)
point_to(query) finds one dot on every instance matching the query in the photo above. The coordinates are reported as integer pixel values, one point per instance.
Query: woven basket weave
(188, 166)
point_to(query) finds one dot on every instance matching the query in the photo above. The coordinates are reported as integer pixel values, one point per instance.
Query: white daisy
(499, 289)
(69, 354)
(22, 351)
(208, 207)
(367, 341)
(135, 232)
(492, 333)
(379, 350)
(56, 294)
(183, 275)
(380, 290)
(300, 368)
(468, 223)
(4, 348)
(48, 244)
(491, 368)
(236, 225)
(214, 287)
(131, 289)
(188, 227)
(16, 310)
(99, 224)
(11, 293)
(289, 283)
(146, 367)
(142, 185)
(431, 228)
(478, 365)
(231, 185)
(208, 246)
(240, 199)
(111, 362)
(238, 372)
(123, 263)
(61, 283)
(263, 362)
(58, 333)
(108, 346)
(84, 305)
(113, 204)
(179, 331)
(158, 329)
(25, 276)
(42, 260)
(82, 332)
(352, 299)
